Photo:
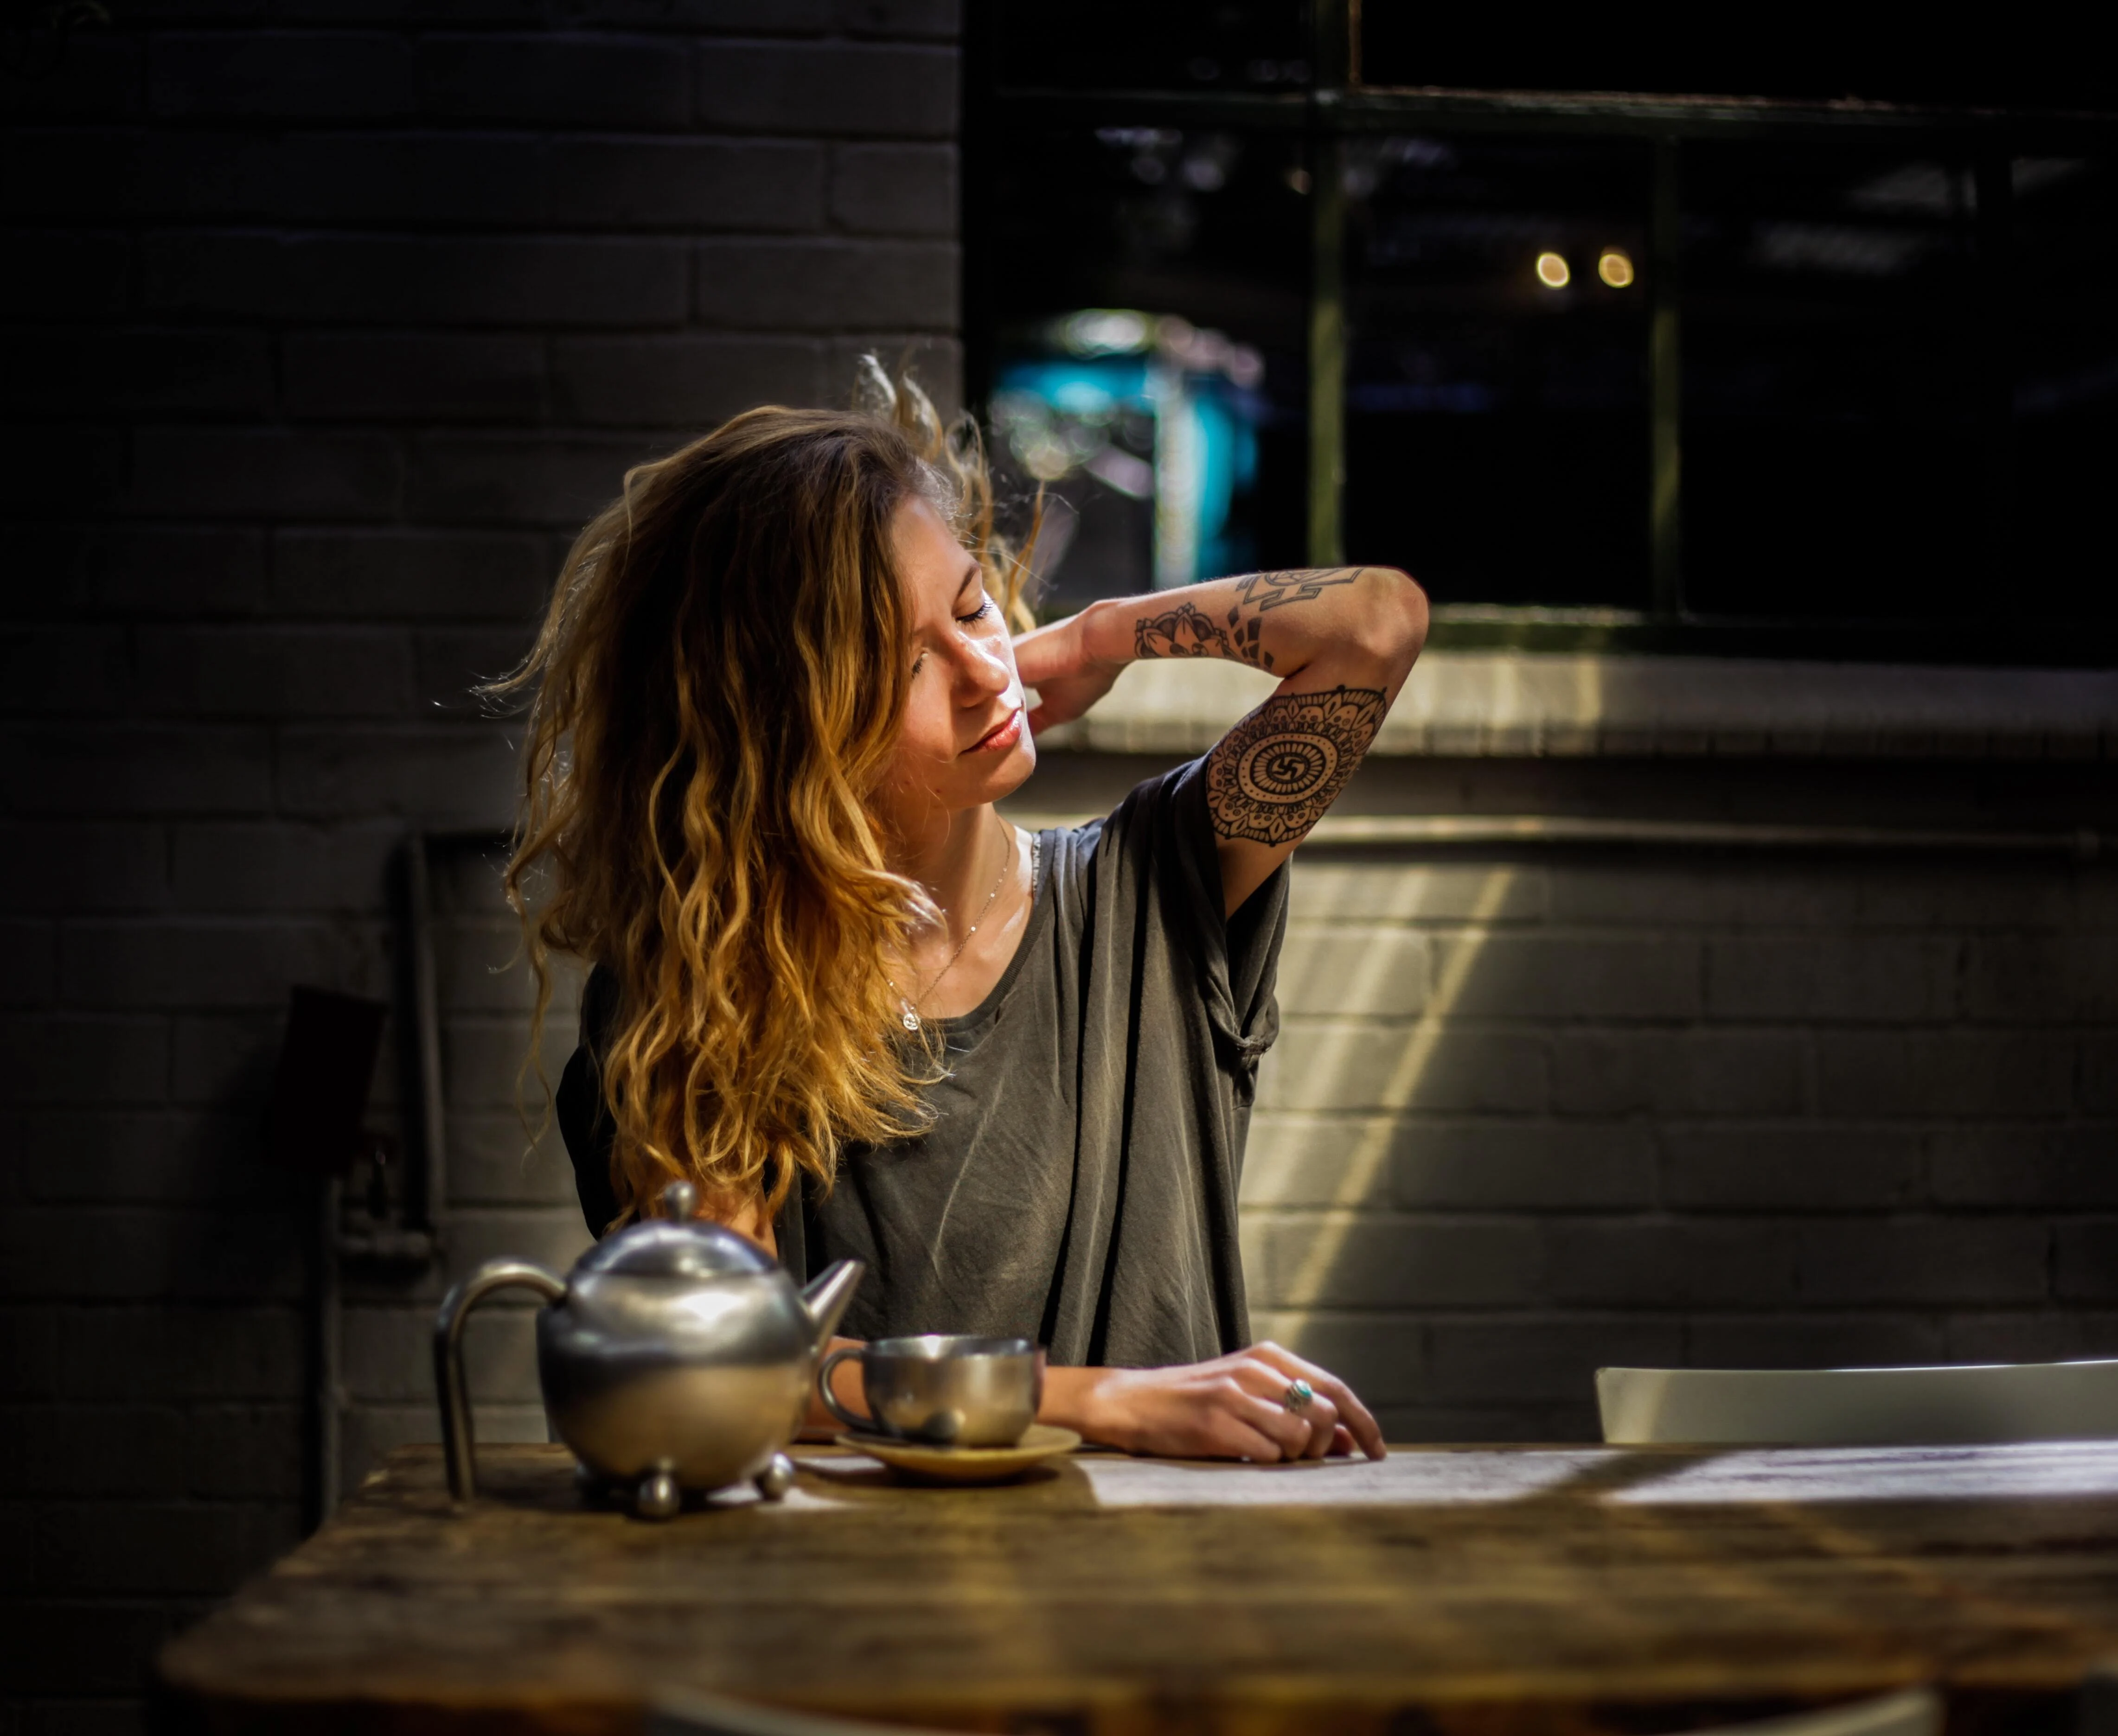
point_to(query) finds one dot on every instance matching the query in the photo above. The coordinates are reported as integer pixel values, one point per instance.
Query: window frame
(1338, 107)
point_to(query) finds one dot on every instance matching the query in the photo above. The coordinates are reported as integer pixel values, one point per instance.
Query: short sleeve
(1238, 956)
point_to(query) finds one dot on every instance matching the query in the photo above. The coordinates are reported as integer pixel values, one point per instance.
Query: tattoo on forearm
(1274, 773)
(1186, 630)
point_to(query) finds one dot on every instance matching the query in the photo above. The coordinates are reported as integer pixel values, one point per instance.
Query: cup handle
(859, 1424)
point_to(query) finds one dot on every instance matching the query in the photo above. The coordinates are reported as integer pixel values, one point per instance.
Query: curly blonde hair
(712, 698)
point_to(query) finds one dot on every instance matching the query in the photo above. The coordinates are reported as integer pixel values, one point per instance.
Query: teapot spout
(827, 1295)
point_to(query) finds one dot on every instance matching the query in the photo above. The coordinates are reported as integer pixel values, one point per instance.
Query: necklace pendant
(909, 1018)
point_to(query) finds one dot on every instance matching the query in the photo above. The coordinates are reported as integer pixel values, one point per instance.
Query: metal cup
(944, 1389)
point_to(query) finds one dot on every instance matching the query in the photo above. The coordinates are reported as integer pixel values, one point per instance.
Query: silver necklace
(910, 1018)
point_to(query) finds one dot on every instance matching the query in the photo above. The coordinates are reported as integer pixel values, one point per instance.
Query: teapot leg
(658, 1496)
(594, 1490)
(776, 1478)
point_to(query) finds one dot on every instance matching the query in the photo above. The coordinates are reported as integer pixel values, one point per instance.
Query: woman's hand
(1068, 677)
(1233, 1407)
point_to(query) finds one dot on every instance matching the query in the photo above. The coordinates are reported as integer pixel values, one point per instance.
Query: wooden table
(1468, 1590)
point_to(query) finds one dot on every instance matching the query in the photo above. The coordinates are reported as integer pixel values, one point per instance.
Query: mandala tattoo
(1186, 630)
(1275, 773)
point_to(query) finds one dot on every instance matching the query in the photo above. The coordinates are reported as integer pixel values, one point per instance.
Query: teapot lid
(677, 1246)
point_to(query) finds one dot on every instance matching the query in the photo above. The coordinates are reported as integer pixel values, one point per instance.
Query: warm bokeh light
(1552, 271)
(1615, 268)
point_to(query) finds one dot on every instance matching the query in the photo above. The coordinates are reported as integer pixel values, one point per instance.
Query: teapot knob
(680, 1201)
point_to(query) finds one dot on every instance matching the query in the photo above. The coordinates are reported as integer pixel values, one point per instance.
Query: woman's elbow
(1393, 619)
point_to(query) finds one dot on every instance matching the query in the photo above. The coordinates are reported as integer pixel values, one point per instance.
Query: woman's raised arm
(1342, 639)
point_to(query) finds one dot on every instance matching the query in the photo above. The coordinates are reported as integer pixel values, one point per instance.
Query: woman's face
(963, 742)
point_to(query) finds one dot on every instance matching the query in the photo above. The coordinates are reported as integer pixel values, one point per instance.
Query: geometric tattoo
(1187, 630)
(1274, 773)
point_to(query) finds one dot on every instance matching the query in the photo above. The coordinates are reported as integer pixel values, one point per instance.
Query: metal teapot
(676, 1355)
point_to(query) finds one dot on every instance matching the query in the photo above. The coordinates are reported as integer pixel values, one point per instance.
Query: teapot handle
(450, 1388)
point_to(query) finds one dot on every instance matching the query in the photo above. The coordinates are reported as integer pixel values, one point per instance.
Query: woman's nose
(985, 669)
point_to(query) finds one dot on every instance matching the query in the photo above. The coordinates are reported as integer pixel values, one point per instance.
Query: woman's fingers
(1351, 1412)
(1319, 1416)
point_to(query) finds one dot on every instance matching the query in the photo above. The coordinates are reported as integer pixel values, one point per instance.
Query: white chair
(1861, 1407)
(1915, 1712)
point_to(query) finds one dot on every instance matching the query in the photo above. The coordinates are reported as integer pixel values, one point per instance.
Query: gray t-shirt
(1077, 1185)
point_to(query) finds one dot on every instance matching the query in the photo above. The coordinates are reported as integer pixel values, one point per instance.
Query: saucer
(1039, 1441)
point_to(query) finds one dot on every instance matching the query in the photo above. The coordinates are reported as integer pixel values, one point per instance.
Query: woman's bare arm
(1342, 639)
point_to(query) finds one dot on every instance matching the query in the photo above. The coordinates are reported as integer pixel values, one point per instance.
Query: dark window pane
(1259, 45)
(2065, 260)
(1496, 430)
(1149, 301)
(1883, 59)
(1836, 460)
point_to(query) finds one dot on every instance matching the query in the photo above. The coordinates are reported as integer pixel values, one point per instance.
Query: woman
(775, 701)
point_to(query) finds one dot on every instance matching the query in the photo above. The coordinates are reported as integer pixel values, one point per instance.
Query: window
(1793, 345)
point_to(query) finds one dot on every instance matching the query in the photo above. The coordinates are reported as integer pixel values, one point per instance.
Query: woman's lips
(1001, 738)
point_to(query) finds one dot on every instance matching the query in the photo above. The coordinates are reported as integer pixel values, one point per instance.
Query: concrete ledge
(1513, 704)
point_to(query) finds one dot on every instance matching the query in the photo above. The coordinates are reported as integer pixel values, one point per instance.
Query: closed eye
(979, 613)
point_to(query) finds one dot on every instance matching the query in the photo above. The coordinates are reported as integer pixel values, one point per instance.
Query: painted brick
(225, 1060)
(515, 480)
(29, 1351)
(69, 1058)
(895, 189)
(143, 1548)
(204, 472)
(1323, 890)
(2061, 1168)
(93, 1449)
(1352, 1067)
(2029, 1335)
(138, 770)
(1912, 1260)
(899, 92)
(1871, 1339)
(1304, 1261)
(283, 75)
(28, 963)
(482, 1056)
(249, 1453)
(1669, 1263)
(562, 80)
(1296, 1160)
(460, 775)
(252, 672)
(827, 285)
(1482, 1362)
(77, 275)
(60, 469)
(1799, 1168)
(189, 571)
(52, 670)
(2086, 1260)
(98, 77)
(240, 962)
(410, 575)
(1354, 973)
(66, 371)
(553, 1238)
(492, 1162)
(381, 280)
(464, 377)
(2043, 980)
(2099, 1073)
(83, 1155)
(1992, 895)
(1536, 977)
(480, 968)
(167, 1352)
(1656, 895)
(940, 20)
(1972, 1073)
(389, 1353)
(1844, 977)
(61, 172)
(1692, 1072)
(693, 381)
(696, 184)
(255, 866)
(127, 1253)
